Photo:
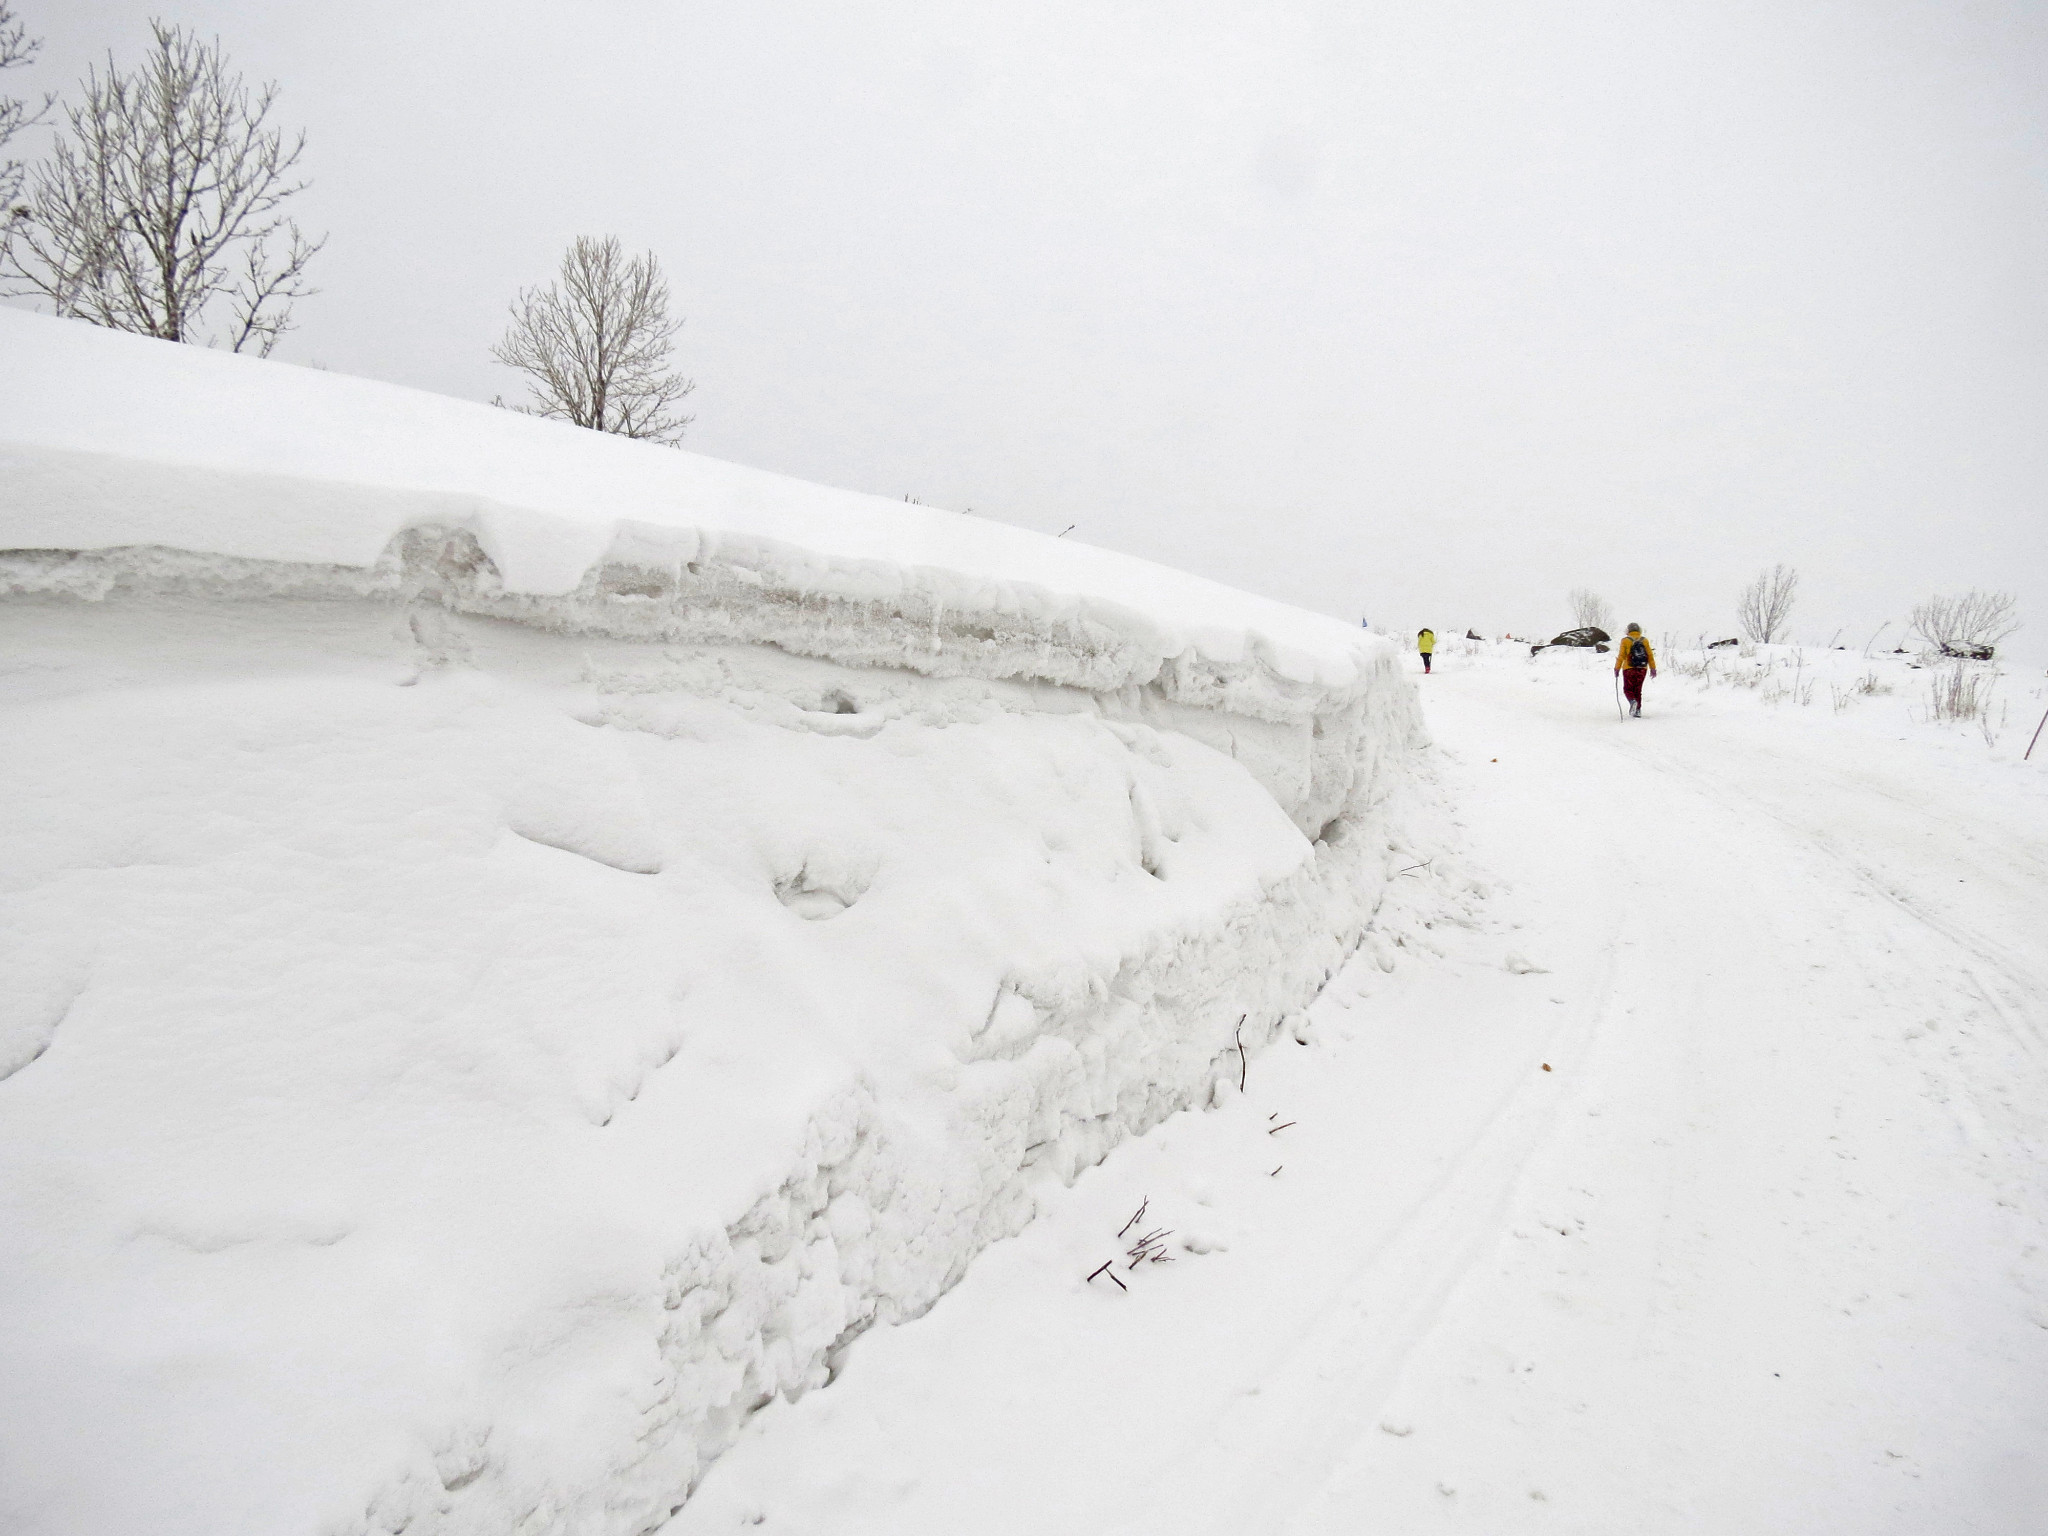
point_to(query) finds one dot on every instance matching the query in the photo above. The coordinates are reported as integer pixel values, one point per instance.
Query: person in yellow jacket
(1425, 642)
(1632, 658)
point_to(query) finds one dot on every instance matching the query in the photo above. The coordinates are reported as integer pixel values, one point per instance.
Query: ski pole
(1617, 698)
(2036, 741)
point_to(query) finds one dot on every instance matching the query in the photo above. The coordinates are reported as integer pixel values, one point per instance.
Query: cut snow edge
(110, 441)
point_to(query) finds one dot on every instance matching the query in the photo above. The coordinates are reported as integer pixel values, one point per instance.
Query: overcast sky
(1426, 310)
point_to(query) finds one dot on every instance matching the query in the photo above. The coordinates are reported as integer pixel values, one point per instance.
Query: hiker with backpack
(1632, 658)
(1425, 642)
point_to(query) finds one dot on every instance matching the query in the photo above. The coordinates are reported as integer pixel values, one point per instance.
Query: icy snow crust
(521, 946)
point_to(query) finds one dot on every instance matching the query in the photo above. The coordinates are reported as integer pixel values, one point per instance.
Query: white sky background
(1427, 310)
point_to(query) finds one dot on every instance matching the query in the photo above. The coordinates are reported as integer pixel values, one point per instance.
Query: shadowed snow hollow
(521, 944)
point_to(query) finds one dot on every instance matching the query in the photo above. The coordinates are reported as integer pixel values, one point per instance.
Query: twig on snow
(1151, 1246)
(1136, 1216)
(1110, 1272)
(1243, 1066)
(1276, 1129)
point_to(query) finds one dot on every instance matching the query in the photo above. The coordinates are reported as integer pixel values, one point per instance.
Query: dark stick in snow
(1136, 1216)
(1152, 1247)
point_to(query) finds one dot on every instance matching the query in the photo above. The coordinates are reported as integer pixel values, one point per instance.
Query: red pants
(1632, 684)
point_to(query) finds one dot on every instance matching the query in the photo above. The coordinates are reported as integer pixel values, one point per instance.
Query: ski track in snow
(1762, 1252)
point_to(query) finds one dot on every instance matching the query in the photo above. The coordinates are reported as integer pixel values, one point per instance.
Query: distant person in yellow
(1632, 658)
(1425, 642)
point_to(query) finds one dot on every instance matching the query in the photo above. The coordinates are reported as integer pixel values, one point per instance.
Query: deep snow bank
(520, 944)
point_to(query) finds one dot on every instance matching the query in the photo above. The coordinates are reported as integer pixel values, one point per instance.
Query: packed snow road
(1671, 1163)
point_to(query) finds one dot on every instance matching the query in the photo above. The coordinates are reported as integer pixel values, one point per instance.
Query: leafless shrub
(1960, 692)
(1992, 732)
(1976, 620)
(1802, 685)
(1590, 610)
(166, 195)
(1871, 683)
(17, 49)
(596, 346)
(1788, 683)
(1765, 606)
(1777, 688)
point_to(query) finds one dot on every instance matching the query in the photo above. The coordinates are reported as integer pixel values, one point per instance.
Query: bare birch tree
(166, 195)
(17, 50)
(1590, 610)
(1765, 607)
(597, 345)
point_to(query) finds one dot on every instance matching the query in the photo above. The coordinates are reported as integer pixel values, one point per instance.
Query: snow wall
(520, 946)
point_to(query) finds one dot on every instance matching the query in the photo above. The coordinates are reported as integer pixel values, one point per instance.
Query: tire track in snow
(1387, 1304)
(2019, 977)
(1257, 1468)
(1296, 1470)
(1847, 1247)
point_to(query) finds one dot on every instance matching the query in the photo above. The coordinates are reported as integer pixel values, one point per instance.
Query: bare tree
(1590, 610)
(1975, 621)
(597, 345)
(166, 195)
(17, 49)
(1766, 604)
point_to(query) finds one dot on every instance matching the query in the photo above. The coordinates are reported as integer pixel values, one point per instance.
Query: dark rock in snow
(1723, 644)
(1965, 650)
(1588, 637)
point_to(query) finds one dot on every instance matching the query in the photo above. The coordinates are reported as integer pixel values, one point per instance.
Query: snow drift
(521, 945)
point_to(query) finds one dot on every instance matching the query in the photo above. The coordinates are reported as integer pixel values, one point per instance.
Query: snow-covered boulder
(520, 945)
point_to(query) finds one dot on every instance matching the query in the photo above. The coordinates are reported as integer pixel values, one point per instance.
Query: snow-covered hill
(521, 945)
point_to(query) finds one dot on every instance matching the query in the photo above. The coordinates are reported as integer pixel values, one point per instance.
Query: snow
(1671, 1160)
(520, 947)
(551, 985)
(108, 443)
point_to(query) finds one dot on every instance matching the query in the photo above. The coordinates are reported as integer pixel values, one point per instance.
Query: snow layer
(521, 946)
(109, 441)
